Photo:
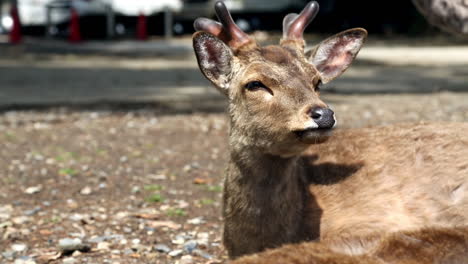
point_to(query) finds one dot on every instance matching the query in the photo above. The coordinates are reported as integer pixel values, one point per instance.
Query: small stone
(128, 251)
(115, 252)
(5, 211)
(190, 245)
(136, 241)
(5, 224)
(33, 211)
(33, 189)
(21, 220)
(77, 217)
(159, 177)
(201, 253)
(162, 248)
(25, 260)
(176, 253)
(8, 254)
(187, 259)
(69, 261)
(178, 240)
(104, 246)
(196, 221)
(19, 247)
(136, 189)
(68, 245)
(86, 191)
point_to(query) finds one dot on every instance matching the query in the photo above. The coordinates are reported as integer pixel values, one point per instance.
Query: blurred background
(113, 145)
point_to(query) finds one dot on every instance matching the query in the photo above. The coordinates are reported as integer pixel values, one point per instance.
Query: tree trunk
(448, 15)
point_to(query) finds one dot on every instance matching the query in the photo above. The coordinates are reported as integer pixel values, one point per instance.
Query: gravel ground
(140, 186)
(141, 183)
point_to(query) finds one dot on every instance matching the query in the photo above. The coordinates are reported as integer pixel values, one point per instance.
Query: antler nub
(227, 30)
(294, 25)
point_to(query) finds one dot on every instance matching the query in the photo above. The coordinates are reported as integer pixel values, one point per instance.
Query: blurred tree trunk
(448, 15)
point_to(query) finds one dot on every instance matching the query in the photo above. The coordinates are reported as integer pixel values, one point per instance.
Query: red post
(15, 33)
(142, 32)
(74, 28)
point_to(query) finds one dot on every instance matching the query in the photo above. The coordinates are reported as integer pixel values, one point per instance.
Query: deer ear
(214, 59)
(334, 55)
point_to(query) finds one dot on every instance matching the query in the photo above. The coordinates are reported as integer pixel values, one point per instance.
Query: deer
(293, 180)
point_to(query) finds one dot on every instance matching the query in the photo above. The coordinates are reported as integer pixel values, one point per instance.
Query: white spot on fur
(267, 96)
(457, 194)
(310, 125)
(336, 121)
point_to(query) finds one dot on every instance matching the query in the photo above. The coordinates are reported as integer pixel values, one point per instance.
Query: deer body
(289, 180)
(356, 184)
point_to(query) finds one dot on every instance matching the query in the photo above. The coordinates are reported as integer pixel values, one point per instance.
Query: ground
(139, 180)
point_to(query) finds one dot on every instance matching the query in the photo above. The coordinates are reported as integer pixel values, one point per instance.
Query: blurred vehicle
(33, 13)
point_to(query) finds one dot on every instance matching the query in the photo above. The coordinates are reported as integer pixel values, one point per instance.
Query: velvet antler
(294, 24)
(227, 30)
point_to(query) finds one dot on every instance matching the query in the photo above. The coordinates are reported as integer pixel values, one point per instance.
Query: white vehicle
(34, 12)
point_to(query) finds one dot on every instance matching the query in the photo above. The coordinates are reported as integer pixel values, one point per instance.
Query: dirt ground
(142, 182)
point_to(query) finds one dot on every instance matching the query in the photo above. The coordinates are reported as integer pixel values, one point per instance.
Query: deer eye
(254, 85)
(257, 85)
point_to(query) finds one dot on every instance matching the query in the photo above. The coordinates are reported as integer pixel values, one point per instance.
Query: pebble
(76, 217)
(106, 238)
(190, 245)
(187, 259)
(69, 261)
(8, 254)
(159, 177)
(24, 260)
(19, 247)
(179, 240)
(105, 246)
(201, 253)
(136, 189)
(128, 251)
(33, 211)
(6, 211)
(196, 221)
(33, 189)
(86, 191)
(19, 220)
(68, 245)
(176, 253)
(162, 248)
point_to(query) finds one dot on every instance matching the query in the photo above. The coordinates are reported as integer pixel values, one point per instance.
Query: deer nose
(324, 117)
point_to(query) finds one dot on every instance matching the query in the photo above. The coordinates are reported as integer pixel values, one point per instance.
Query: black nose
(323, 117)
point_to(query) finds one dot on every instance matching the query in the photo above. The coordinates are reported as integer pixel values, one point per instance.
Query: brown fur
(361, 181)
(429, 245)
(355, 192)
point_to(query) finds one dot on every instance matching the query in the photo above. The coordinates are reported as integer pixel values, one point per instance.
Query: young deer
(349, 192)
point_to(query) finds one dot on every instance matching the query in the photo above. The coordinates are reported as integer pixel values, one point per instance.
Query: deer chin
(313, 135)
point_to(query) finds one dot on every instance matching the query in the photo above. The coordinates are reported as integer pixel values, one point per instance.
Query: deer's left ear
(334, 55)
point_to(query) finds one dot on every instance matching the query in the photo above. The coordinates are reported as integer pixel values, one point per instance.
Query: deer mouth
(311, 135)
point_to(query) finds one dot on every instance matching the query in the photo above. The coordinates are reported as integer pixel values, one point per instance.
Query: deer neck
(264, 201)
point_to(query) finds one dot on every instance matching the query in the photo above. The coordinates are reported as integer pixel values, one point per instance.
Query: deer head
(273, 91)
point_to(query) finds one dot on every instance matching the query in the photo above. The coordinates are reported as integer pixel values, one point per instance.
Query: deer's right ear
(214, 59)
(334, 55)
